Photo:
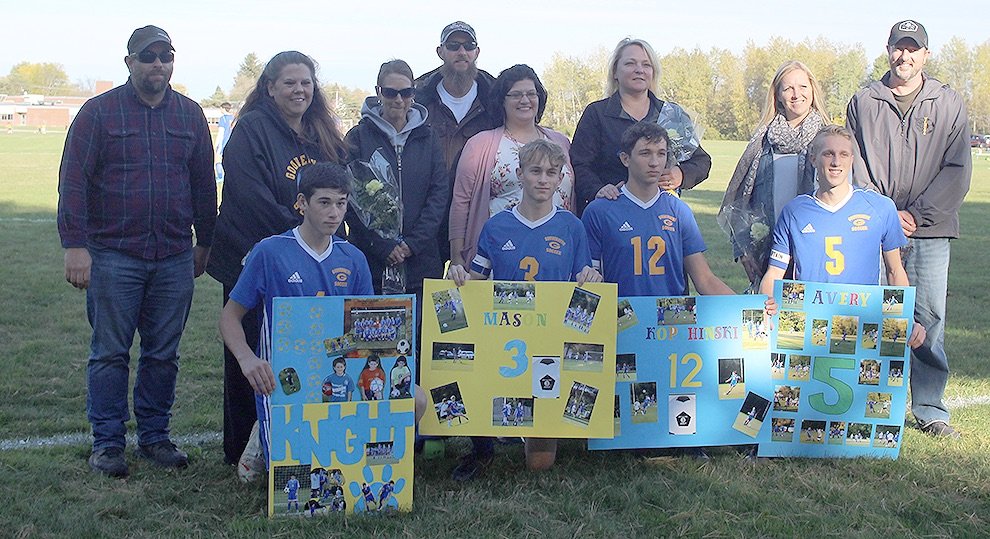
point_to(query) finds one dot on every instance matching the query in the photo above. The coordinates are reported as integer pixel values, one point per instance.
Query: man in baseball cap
(911, 30)
(145, 36)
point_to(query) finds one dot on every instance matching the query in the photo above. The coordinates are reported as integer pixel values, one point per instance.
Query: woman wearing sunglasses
(486, 181)
(284, 125)
(395, 127)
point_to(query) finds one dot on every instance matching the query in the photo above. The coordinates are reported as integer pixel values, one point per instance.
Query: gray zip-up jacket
(921, 160)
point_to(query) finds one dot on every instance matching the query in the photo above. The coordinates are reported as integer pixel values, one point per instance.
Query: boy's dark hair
(339, 360)
(323, 176)
(539, 149)
(648, 130)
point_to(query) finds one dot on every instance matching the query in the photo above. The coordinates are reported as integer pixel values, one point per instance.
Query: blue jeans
(152, 297)
(927, 266)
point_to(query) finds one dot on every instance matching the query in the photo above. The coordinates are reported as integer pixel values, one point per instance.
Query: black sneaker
(164, 454)
(939, 429)
(109, 461)
(471, 466)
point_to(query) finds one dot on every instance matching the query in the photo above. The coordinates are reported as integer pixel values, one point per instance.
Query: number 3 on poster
(520, 358)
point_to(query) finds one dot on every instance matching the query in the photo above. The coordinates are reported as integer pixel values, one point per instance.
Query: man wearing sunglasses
(136, 178)
(455, 95)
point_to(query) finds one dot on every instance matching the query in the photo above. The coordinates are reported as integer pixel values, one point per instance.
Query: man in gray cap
(136, 178)
(456, 96)
(913, 136)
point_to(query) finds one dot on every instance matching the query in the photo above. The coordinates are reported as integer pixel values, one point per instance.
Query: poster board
(531, 359)
(690, 371)
(839, 368)
(350, 433)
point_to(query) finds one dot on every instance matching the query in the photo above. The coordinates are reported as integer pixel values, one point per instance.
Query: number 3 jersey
(837, 244)
(641, 246)
(513, 248)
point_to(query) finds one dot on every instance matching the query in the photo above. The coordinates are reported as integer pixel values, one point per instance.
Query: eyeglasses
(148, 57)
(452, 46)
(517, 96)
(390, 93)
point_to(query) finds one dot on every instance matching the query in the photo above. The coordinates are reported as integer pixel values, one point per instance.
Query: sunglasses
(390, 93)
(452, 46)
(148, 57)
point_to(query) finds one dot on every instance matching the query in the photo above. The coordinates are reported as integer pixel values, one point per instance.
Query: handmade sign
(342, 414)
(531, 359)
(840, 368)
(690, 371)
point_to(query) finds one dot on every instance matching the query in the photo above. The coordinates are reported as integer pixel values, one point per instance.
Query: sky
(211, 38)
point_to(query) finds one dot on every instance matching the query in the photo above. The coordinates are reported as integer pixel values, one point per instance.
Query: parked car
(979, 141)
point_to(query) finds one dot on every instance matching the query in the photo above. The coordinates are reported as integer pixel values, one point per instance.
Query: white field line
(27, 220)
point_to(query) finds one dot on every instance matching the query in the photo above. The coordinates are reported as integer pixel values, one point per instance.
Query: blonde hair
(611, 85)
(773, 107)
(831, 131)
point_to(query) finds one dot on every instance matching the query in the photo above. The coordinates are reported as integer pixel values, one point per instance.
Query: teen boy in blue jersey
(513, 246)
(642, 240)
(838, 234)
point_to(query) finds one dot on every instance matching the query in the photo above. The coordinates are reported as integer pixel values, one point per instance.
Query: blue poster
(839, 370)
(690, 372)
(342, 413)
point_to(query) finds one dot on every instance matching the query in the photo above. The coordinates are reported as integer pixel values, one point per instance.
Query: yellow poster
(530, 359)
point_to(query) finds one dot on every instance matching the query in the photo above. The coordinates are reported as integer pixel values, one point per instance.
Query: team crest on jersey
(668, 222)
(554, 244)
(340, 276)
(859, 221)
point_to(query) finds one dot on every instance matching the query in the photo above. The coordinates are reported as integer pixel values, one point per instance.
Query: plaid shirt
(135, 178)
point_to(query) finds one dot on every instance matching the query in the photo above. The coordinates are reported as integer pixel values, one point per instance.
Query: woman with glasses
(284, 125)
(633, 72)
(486, 181)
(394, 127)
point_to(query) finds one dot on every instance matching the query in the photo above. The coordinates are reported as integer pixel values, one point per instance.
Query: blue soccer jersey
(641, 246)
(285, 266)
(840, 244)
(513, 248)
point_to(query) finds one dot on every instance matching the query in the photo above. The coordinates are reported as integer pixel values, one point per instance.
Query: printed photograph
(836, 432)
(871, 333)
(449, 405)
(859, 434)
(378, 325)
(626, 316)
(682, 414)
(812, 431)
(674, 311)
(878, 405)
(895, 376)
(819, 332)
(581, 310)
(380, 453)
(546, 377)
(581, 403)
(887, 436)
(326, 494)
(617, 416)
(751, 414)
(893, 301)
(731, 378)
(400, 379)
(625, 367)
(453, 356)
(583, 357)
(291, 483)
(288, 379)
(643, 402)
(844, 334)
(339, 386)
(778, 363)
(869, 372)
(792, 295)
(449, 309)
(790, 330)
(338, 346)
(781, 430)
(799, 368)
(512, 412)
(786, 398)
(514, 296)
(894, 337)
(755, 330)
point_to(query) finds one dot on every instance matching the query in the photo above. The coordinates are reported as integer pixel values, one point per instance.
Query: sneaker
(109, 461)
(471, 466)
(251, 465)
(939, 429)
(164, 454)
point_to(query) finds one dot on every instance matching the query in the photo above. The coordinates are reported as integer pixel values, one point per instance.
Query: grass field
(937, 488)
